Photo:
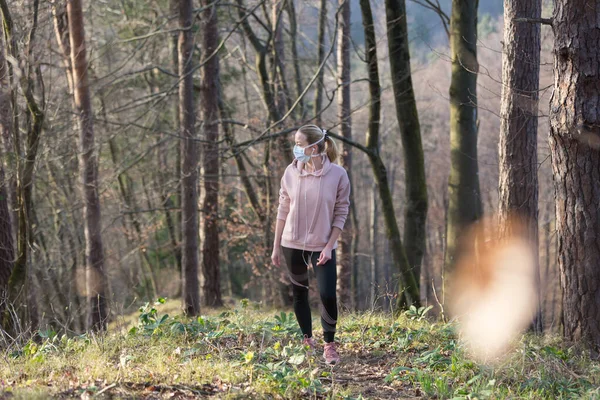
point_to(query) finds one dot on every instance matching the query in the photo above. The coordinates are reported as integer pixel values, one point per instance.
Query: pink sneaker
(310, 342)
(330, 354)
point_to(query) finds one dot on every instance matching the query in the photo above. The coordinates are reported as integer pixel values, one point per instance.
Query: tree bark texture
(210, 106)
(575, 150)
(189, 163)
(345, 123)
(464, 197)
(415, 215)
(518, 180)
(88, 165)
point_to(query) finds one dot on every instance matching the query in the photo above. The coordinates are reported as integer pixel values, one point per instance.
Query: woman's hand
(324, 256)
(276, 256)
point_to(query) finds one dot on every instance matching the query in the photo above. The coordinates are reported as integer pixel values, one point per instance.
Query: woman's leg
(327, 281)
(298, 274)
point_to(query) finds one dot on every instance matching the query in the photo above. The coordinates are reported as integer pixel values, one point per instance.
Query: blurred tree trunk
(189, 163)
(7, 123)
(415, 215)
(7, 250)
(21, 289)
(88, 164)
(408, 288)
(210, 107)
(518, 180)
(574, 146)
(464, 197)
(347, 238)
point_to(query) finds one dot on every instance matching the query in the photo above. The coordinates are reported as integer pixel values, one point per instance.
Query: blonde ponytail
(331, 149)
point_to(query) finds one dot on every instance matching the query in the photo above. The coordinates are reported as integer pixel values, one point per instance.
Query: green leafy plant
(417, 314)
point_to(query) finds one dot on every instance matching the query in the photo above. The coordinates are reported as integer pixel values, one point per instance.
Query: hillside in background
(424, 24)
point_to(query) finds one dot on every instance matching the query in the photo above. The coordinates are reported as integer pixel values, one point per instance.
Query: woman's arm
(340, 212)
(282, 213)
(276, 255)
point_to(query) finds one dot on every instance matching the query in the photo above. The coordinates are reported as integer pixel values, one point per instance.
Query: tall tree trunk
(88, 165)
(518, 184)
(189, 163)
(210, 107)
(176, 235)
(293, 29)
(415, 215)
(463, 183)
(6, 136)
(320, 56)
(21, 288)
(574, 146)
(345, 121)
(407, 286)
(7, 250)
(282, 94)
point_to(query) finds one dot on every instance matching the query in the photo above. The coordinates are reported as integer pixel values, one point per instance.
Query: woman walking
(313, 206)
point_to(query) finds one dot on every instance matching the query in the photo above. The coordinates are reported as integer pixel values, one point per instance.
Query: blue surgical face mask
(299, 151)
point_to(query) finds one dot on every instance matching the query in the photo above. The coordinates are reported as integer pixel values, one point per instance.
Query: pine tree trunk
(464, 197)
(518, 181)
(189, 164)
(415, 215)
(345, 122)
(574, 146)
(88, 165)
(210, 207)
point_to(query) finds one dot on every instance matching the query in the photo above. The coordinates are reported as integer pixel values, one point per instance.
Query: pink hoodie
(312, 204)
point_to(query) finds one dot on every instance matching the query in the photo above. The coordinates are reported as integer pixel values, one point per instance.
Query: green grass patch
(246, 351)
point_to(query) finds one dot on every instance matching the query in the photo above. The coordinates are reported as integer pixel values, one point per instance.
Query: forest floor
(248, 352)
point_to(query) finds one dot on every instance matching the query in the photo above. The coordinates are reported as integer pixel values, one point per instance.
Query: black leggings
(296, 261)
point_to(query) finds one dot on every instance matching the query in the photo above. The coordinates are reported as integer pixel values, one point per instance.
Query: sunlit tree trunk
(88, 165)
(189, 163)
(575, 150)
(210, 107)
(518, 180)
